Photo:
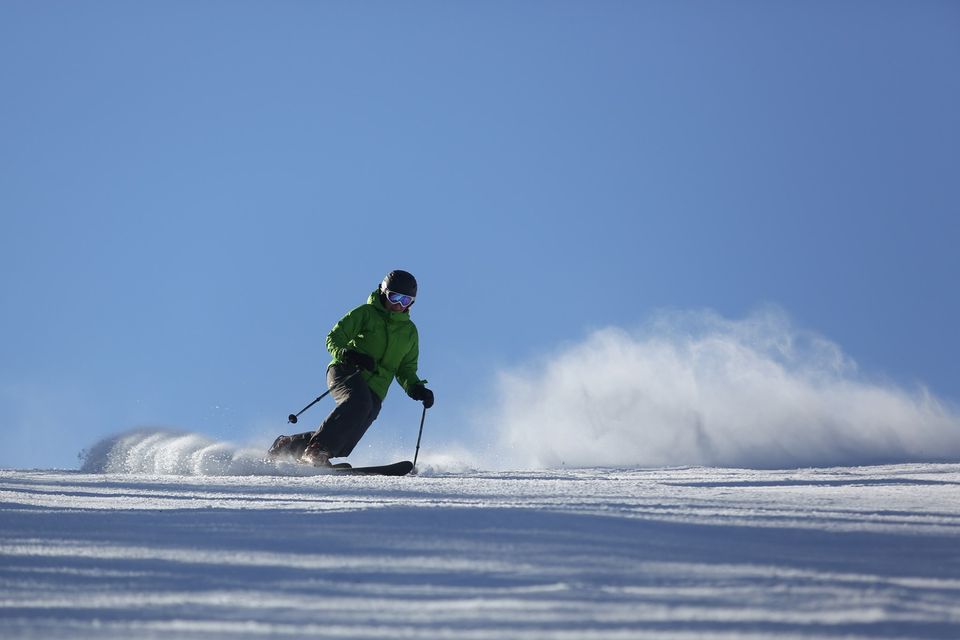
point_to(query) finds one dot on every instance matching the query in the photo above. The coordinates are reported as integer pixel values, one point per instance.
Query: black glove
(359, 360)
(420, 392)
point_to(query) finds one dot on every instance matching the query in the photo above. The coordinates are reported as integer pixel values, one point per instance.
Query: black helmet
(400, 282)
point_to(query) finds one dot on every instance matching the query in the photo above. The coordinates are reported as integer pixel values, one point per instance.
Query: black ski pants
(357, 408)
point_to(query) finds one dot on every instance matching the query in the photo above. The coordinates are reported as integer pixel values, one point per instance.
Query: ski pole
(292, 418)
(419, 435)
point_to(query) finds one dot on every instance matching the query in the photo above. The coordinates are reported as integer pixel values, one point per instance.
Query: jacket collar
(393, 316)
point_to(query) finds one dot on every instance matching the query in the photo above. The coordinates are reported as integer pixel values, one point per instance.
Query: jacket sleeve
(340, 337)
(407, 371)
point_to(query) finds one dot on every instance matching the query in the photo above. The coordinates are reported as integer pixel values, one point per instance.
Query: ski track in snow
(852, 552)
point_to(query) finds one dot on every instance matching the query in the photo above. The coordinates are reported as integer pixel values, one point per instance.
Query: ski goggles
(400, 299)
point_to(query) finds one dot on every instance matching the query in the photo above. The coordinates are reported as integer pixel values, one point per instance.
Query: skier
(371, 345)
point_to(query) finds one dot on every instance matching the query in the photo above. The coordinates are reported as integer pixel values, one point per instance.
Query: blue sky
(192, 193)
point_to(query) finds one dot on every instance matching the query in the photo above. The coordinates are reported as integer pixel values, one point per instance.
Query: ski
(395, 469)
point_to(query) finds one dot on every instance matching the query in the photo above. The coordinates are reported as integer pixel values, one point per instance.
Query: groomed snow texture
(847, 552)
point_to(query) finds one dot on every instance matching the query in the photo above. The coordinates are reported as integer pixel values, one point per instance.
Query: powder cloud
(695, 388)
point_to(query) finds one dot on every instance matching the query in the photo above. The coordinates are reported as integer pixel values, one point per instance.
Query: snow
(222, 545)
(694, 388)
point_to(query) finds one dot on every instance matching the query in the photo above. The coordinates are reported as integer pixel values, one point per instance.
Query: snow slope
(854, 552)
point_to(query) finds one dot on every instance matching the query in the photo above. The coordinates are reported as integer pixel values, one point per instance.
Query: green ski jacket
(390, 338)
